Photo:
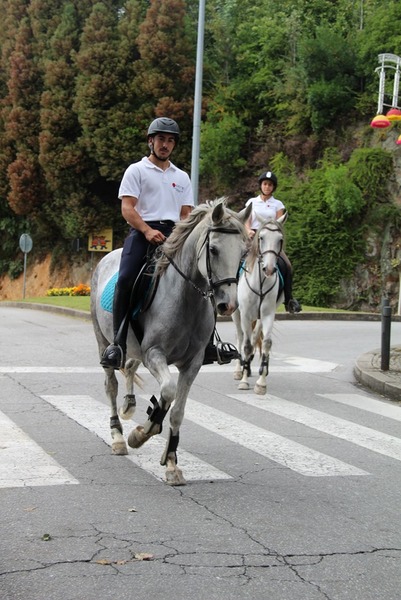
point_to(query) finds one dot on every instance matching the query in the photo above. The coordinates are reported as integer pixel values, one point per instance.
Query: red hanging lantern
(380, 122)
(394, 114)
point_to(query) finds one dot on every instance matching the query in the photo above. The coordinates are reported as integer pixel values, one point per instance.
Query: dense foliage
(290, 85)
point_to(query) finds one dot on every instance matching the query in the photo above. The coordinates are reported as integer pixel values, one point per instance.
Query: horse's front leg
(236, 317)
(118, 445)
(246, 360)
(261, 383)
(156, 362)
(174, 475)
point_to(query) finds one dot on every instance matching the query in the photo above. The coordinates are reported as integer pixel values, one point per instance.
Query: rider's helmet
(268, 175)
(164, 125)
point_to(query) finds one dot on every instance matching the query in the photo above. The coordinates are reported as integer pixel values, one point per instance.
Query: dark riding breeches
(134, 254)
(133, 258)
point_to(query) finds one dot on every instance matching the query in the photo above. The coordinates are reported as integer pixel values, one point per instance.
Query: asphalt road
(291, 496)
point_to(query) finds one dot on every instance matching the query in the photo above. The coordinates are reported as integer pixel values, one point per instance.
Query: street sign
(101, 240)
(25, 243)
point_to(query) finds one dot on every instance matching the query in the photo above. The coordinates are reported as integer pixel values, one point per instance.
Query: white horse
(196, 277)
(259, 293)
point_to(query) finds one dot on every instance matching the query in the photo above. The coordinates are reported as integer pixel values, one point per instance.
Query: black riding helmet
(268, 175)
(164, 125)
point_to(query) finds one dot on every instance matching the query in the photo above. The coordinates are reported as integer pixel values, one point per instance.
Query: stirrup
(113, 356)
(226, 352)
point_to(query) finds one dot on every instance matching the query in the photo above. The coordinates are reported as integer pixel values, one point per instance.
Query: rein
(212, 285)
(261, 294)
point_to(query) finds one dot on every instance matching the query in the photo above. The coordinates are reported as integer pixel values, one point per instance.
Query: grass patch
(83, 303)
(76, 302)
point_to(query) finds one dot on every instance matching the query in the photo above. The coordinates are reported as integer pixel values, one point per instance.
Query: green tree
(165, 71)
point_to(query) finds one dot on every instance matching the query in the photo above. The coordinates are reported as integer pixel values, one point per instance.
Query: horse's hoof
(175, 477)
(243, 385)
(260, 389)
(237, 375)
(137, 437)
(126, 415)
(119, 448)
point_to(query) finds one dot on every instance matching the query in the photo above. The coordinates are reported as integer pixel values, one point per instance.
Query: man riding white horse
(154, 194)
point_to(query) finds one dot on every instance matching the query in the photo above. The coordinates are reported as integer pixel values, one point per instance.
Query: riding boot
(210, 352)
(114, 354)
(291, 304)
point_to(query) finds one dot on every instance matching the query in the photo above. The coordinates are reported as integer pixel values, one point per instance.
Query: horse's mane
(201, 213)
(253, 252)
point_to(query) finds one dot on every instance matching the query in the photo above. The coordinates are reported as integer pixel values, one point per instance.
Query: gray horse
(258, 297)
(196, 277)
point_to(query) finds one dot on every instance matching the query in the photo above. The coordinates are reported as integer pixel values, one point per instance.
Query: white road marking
(304, 365)
(378, 407)
(95, 416)
(365, 437)
(280, 363)
(279, 449)
(23, 463)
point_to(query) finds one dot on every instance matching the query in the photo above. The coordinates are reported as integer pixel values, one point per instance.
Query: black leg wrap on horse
(156, 414)
(115, 424)
(263, 364)
(246, 366)
(171, 447)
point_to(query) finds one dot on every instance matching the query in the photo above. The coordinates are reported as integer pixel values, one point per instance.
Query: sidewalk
(367, 371)
(367, 368)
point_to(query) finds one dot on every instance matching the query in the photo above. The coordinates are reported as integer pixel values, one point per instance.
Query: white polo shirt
(161, 194)
(265, 209)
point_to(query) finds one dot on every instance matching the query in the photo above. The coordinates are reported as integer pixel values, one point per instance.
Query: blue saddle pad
(106, 301)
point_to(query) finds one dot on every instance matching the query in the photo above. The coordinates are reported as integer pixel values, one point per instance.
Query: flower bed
(78, 290)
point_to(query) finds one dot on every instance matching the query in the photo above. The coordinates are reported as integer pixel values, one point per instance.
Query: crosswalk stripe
(23, 463)
(301, 364)
(94, 416)
(360, 435)
(378, 407)
(280, 363)
(295, 456)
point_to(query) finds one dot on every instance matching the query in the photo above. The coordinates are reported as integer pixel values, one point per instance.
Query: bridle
(212, 285)
(260, 293)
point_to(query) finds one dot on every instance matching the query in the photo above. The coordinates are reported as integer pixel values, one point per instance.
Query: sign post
(25, 243)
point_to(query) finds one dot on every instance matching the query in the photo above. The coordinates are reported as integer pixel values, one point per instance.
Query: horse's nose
(226, 309)
(268, 271)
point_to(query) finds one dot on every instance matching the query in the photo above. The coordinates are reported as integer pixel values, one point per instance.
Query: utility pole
(198, 102)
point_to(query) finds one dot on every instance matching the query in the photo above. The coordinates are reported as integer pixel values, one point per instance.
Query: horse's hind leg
(118, 444)
(127, 410)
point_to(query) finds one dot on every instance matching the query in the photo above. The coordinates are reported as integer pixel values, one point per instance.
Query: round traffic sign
(25, 243)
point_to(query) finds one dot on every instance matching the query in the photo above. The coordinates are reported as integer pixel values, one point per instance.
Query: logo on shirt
(178, 188)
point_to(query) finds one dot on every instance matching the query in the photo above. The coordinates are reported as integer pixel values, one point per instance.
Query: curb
(71, 312)
(368, 374)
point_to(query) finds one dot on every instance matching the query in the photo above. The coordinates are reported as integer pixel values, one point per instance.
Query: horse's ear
(218, 213)
(245, 213)
(283, 218)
